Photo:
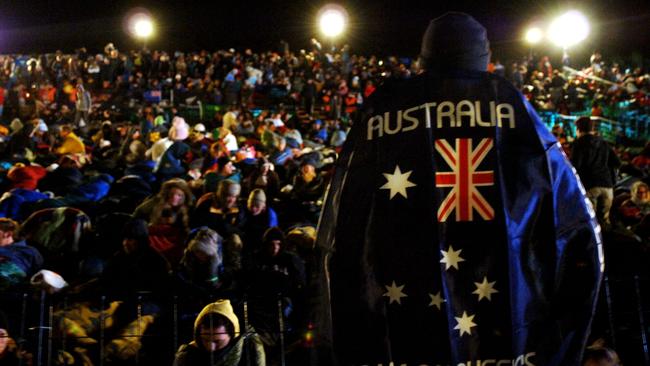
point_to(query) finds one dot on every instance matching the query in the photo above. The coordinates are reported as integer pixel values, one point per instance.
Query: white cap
(199, 127)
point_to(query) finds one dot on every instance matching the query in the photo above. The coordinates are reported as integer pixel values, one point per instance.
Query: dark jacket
(127, 274)
(172, 162)
(224, 222)
(595, 161)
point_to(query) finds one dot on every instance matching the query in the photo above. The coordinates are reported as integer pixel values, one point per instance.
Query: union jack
(464, 197)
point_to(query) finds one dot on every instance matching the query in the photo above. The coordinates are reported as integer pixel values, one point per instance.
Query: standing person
(83, 106)
(454, 231)
(219, 341)
(596, 164)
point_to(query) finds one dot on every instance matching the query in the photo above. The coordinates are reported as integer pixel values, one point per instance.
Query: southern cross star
(465, 324)
(394, 293)
(436, 300)
(451, 258)
(398, 182)
(485, 289)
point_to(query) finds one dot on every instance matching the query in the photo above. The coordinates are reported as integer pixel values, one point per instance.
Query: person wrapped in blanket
(126, 312)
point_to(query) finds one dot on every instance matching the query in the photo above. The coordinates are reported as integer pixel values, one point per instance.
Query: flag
(454, 232)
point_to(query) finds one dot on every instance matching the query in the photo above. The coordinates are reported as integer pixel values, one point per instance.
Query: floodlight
(143, 28)
(569, 29)
(534, 35)
(332, 20)
(139, 24)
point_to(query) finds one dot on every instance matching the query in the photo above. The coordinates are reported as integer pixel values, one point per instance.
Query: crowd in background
(201, 175)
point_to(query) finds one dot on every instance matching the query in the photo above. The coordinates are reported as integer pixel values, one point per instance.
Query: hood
(221, 307)
(455, 41)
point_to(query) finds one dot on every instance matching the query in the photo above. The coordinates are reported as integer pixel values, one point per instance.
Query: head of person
(176, 193)
(225, 166)
(256, 202)
(135, 236)
(640, 194)
(455, 40)
(599, 355)
(198, 132)
(4, 334)
(65, 130)
(216, 326)
(8, 231)
(264, 165)
(584, 125)
(204, 246)
(227, 194)
(308, 170)
(273, 241)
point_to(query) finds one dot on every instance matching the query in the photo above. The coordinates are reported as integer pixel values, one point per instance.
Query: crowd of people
(113, 187)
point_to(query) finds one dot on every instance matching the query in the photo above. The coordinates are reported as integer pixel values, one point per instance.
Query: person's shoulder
(184, 353)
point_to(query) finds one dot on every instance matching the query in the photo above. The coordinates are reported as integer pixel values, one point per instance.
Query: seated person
(634, 209)
(258, 218)
(220, 211)
(10, 355)
(71, 143)
(18, 261)
(136, 266)
(218, 340)
(225, 170)
(202, 262)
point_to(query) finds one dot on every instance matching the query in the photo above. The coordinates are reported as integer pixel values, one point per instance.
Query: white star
(451, 258)
(437, 300)
(395, 293)
(465, 324)
(398, 182)
(485, 289)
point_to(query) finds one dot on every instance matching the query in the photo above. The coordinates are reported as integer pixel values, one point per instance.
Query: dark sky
(383, 27)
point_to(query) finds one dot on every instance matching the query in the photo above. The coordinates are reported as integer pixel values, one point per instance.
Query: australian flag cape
(455, 232)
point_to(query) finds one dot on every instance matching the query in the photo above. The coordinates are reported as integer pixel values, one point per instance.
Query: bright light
(568, 29)
(143, 28)
(534, 35)
(332, 19)
(139, 23)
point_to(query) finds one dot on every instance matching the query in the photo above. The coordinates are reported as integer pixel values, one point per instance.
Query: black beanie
(455, 41)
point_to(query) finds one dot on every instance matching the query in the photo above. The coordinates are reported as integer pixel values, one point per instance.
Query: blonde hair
(635, 190)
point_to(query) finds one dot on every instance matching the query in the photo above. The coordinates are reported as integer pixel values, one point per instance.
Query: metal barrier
(636, 126)
(51, 328)
(42, 325)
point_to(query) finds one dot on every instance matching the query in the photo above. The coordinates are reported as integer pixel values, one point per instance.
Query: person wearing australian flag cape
(455, 231)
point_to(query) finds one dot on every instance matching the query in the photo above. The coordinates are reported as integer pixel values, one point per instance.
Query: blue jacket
(10, 205)
(25, 257)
